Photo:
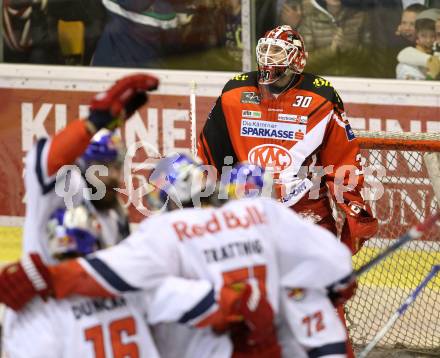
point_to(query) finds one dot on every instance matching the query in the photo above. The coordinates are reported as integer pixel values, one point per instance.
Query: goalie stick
(414, 233)
(400, 311)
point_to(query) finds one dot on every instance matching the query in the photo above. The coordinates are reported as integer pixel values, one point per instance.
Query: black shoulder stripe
(200, 308)
(217, 137)
(205, 151)
(328, 349)
(110, 276)
(45, 187)
(242, 80)
(318, 85)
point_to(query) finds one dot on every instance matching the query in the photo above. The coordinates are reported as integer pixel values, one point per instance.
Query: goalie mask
(280, 52)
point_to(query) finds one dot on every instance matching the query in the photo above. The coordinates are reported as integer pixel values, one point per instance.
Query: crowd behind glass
(357, 38)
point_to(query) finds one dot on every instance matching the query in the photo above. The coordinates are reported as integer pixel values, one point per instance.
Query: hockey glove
(256, 335)
(21, 281)
(359, 225)
(109, 109)
(257, 314)
(340, 294)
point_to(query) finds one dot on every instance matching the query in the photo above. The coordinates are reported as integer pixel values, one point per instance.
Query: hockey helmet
(106, 146)
(180, 179)
(73, 232)
(278, 51)
(245, 181)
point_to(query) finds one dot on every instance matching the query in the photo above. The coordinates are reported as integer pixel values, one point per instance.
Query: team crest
(297, 294)
(250, 97)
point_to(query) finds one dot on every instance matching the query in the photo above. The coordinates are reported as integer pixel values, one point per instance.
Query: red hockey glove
(340, 294)
(21, 281)
(110, 108)
(248, 317)
(359, 225)
(257, 313)
(256, 335)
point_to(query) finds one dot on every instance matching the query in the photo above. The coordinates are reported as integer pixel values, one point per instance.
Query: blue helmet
(178, 178)
(106, 146)
(73, 232)
(245, 180)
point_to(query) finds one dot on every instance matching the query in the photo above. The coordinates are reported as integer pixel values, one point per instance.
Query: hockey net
(407, 198)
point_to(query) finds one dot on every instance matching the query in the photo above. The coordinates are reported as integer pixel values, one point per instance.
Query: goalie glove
(341, 293)
(359, 225)
(110, 108)
(21, 281)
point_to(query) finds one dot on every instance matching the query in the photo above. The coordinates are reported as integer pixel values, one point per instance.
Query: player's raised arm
(107, 110)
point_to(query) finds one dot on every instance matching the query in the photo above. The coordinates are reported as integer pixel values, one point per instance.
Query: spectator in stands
(30, 28)
(140, 33)
(337, 38)
(386, 18)
(425, 38)
(437, 38)
(29, 33)
(406, 29)
(89, 13)
(290, 13)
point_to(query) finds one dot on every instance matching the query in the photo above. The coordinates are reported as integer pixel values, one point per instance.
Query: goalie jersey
(295, 134)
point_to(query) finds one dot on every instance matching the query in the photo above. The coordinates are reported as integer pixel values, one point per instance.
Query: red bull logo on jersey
(222, 220)
(270, 156)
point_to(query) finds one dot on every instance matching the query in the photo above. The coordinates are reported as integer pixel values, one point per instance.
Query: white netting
(408, 198)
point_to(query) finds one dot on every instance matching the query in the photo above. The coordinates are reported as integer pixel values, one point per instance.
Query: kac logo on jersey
(250, 97)
(271, 156)
(250, 114)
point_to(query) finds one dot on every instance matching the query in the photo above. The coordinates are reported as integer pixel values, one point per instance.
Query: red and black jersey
(303, 126)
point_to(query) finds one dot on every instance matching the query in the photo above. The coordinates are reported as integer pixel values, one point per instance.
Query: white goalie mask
(280, 49)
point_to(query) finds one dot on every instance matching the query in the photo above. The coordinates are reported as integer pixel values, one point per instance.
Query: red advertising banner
(164, 124)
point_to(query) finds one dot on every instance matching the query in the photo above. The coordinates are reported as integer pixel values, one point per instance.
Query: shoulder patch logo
(241, 77)
(320, 82)
(250, 97)
(349, 132)
(298, 294)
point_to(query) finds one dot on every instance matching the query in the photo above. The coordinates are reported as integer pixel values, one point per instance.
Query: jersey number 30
(126, 326)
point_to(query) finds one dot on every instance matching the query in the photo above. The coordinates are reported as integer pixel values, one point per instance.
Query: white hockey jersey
(80, 327)
(255, 239)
